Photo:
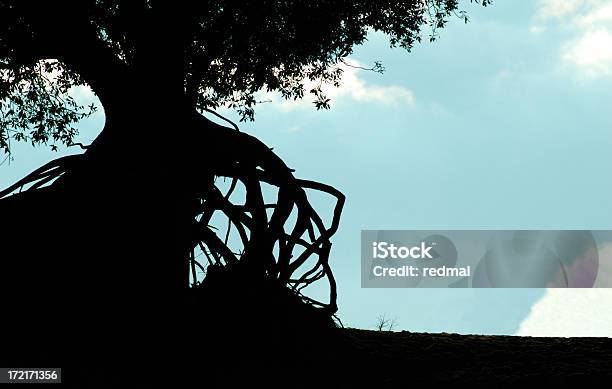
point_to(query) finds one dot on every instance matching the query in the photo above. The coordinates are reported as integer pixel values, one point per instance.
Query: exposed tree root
(292, 251)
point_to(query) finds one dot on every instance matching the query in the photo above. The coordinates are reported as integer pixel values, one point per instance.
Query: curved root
(281, 246)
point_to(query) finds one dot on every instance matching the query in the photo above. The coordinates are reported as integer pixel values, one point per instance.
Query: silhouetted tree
(123, 222)
(383, 323)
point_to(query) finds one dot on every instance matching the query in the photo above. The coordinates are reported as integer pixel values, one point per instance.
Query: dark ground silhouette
(352, 358)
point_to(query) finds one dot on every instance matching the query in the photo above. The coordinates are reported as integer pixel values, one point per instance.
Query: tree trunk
(102, 253)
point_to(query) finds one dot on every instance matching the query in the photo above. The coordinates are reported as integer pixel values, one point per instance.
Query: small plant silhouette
(383, 323)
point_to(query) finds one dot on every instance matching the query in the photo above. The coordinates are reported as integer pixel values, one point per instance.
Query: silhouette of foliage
(232, 49)
(35, 105)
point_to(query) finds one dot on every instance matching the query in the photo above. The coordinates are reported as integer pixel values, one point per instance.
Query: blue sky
(502, 123)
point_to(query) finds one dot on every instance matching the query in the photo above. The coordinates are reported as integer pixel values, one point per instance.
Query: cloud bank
(575, 312)
(570, 312)
(588, 51)
(352, 88)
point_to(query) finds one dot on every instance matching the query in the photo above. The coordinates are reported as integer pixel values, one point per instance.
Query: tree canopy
(226, 51)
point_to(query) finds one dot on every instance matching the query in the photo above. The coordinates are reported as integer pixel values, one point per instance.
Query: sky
(501, 123)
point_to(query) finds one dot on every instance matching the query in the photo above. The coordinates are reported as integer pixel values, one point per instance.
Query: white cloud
(575, 312)
(549, 9)
(537, 29)
(570, 313)
(352, 88)
(591, 53)
(588, 52)
(83, 94)
(598, 13)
